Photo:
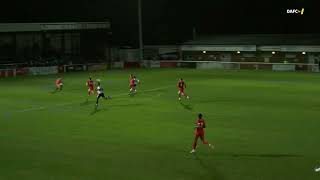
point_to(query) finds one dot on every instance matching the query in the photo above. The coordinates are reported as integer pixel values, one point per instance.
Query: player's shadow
(259, 155)
(127, 105)
(86, 102)
(212, 171)
(54, 92)
(186, 106)
(6, 116)
(95, 111)
(267, 155)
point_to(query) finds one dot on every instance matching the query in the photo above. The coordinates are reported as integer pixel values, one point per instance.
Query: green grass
(265, 125)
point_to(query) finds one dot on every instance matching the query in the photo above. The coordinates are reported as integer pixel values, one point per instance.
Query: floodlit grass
(264, 125)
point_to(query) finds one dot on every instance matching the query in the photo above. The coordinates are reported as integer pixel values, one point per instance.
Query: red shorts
(90, 88)
(199, 135)
(181, 90)
(132, 86)
(58, 85)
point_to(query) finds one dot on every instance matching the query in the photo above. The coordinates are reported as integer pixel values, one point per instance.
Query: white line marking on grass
(70, 103)
(118, 95)
(31, 109)
(65, 104)
(156, 89)
(148, 90)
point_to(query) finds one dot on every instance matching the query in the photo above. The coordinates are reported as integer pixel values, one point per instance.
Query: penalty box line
(70, 103)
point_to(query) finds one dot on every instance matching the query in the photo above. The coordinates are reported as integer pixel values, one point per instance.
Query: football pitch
(264, 126)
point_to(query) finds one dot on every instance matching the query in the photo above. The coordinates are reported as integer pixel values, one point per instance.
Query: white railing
(17, 69)
(236, 65)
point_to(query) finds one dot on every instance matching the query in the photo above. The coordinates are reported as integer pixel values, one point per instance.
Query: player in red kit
(199, 133)
(181, 86)
(132, 84)
(90, 85)
(59, 84)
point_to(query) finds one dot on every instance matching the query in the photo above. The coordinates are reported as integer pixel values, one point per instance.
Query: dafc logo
(295, 11)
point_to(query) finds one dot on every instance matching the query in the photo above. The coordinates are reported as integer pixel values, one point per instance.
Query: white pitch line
(69, 103)
(156, 89)
(31, 109)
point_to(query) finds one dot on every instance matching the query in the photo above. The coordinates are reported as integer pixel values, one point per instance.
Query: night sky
(166, 21)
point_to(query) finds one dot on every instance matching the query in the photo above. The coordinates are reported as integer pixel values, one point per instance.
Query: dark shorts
(101, 95)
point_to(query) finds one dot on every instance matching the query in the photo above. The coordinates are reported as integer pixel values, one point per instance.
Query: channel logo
(295, 11)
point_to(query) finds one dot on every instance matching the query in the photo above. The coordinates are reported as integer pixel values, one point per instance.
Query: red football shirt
(59, 81)
(90, 83)
(200, 125)
(132, 82)
(181, 85)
